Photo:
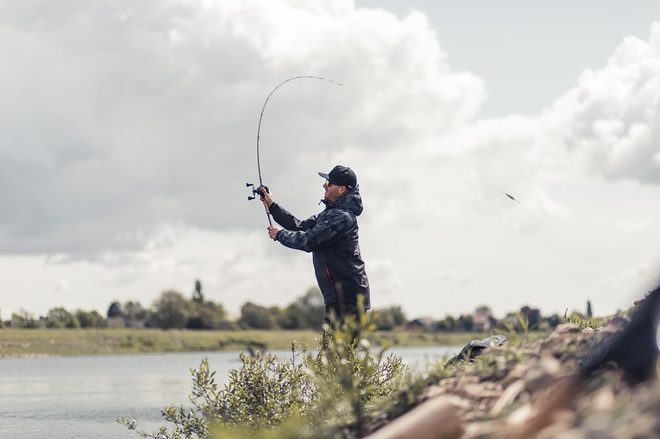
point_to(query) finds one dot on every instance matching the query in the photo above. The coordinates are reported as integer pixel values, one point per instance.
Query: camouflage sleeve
(288, 221)
(323, 233)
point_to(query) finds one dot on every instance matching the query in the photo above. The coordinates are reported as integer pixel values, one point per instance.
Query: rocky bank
(529, 390)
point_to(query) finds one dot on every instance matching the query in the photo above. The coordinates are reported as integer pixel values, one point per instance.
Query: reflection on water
(80, 397)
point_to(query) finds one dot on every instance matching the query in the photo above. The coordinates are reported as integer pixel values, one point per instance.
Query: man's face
(333, 191)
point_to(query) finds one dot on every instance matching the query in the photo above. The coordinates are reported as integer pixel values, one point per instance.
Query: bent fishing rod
(258, 191)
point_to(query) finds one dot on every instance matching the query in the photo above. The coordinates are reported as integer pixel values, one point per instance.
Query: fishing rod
(258, 191)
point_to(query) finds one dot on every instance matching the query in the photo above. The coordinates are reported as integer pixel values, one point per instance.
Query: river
(81, 397)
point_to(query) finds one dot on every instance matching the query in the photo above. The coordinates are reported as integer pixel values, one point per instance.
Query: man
(332, 237)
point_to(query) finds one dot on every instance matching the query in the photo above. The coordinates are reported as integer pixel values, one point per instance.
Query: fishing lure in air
(511, 196)
(258, 191)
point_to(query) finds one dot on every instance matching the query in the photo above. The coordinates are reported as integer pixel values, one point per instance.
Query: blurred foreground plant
(351, 376)
(330, 394)
(581, 321)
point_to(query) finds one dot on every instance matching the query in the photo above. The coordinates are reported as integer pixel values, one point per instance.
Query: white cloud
(63, 285)
(610, 120)
(127, 132)
(656, 159)
(118, 117)
(640, 225)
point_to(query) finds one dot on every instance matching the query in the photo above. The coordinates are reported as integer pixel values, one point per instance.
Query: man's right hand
(266, 198)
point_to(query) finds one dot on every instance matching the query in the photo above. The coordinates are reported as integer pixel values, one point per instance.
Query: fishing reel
(258, 191)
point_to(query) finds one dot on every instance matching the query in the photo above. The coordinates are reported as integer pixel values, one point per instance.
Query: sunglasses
(328, 183)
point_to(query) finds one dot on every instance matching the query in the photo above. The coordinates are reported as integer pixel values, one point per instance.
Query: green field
(67, 342)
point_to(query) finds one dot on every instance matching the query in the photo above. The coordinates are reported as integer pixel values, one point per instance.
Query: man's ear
(342, 190)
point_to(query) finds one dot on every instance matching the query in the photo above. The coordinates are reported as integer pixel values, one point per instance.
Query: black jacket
(332, 237)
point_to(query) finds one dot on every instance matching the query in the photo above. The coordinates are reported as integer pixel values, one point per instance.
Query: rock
(432, 419)
(516, 388)
(432, 392)
(614, 324)
(507, 397)
(603, 400)
(518, 371)
(565, 328)
(520, 415)
(550, 365)
(538, 379)
(559, 430)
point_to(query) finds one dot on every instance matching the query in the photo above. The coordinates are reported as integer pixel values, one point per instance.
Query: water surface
(81, 397)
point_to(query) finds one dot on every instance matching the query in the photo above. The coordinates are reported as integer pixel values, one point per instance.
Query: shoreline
(33, 343)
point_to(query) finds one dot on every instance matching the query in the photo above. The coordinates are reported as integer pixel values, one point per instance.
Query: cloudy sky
(128, 130)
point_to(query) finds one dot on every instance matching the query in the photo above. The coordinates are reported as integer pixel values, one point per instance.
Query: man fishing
(332, 237)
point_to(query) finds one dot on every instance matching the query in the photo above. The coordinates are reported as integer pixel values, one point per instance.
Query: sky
(128, 132)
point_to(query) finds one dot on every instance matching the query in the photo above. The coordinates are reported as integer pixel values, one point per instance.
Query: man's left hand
(272, 232)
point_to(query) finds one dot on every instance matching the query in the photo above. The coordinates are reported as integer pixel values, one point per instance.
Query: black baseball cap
(342, 176)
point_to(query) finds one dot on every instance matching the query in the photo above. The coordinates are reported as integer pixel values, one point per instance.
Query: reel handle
(257, 191)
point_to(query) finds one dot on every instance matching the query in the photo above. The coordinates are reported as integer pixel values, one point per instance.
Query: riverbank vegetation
(320, 392)
(348, 388)
(175, 323)
(108, 341)
(172, 310)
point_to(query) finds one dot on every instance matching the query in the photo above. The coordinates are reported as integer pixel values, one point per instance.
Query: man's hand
(266, 198)
(272, 232)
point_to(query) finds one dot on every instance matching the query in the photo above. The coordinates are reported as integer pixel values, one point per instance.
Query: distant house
(421, 324)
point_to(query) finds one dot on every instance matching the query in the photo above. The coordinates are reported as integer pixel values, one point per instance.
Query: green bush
(24, 319)
(331, 393)
(171, 310)
(305, 312)
(351, 378)
(206, 315)
(387, 319)
(59, 317)
(583, 322)
(90, 319)
(256, 317)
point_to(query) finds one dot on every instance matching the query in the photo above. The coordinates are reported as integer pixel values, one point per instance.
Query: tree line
(172, 310)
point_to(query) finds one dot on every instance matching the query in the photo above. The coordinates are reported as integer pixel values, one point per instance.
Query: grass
(70, 342)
